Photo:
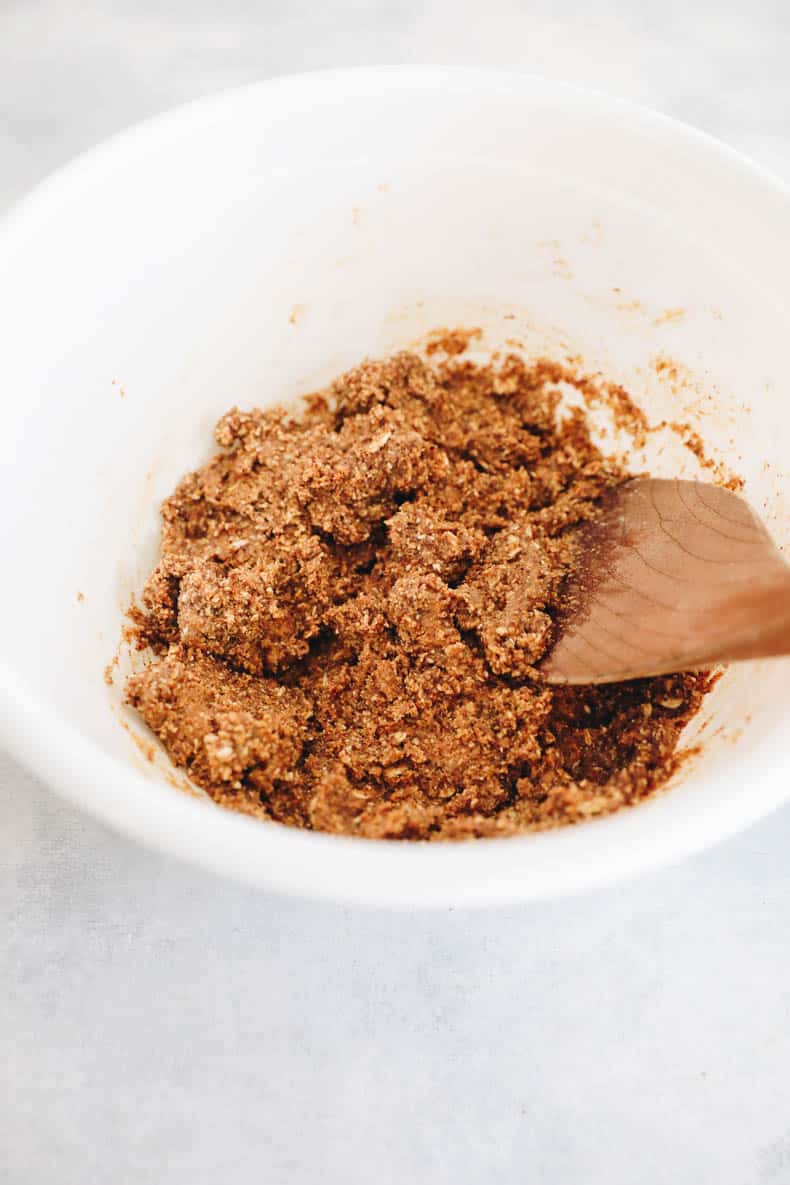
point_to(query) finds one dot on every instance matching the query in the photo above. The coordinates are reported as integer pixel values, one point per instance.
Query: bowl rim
(339, 868)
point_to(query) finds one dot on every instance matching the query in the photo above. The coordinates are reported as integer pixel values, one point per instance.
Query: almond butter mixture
(352, 601)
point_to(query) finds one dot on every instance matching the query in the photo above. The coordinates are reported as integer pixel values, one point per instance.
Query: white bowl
(249, 247)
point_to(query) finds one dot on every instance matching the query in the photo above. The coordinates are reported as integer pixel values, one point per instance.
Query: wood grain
(676, 575)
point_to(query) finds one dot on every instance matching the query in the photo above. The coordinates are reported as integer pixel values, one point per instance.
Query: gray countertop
(162, 1026)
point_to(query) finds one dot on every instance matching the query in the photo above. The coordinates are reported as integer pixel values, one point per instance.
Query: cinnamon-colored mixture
(351, 603)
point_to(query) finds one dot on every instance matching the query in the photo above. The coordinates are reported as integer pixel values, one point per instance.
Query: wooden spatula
(674, 576)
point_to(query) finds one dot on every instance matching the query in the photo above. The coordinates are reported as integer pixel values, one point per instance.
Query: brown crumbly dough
(351, 603)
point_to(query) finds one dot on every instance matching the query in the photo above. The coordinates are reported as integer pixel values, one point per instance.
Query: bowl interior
(247, 249)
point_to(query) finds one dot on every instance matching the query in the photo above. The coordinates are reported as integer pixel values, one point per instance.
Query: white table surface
(160, 1026)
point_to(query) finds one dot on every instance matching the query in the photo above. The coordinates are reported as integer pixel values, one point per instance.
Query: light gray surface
(160, 1026)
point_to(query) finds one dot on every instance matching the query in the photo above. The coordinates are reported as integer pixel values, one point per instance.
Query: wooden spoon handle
(760, 623)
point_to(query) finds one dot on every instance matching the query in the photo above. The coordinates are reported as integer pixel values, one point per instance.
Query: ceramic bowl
(248, 248)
